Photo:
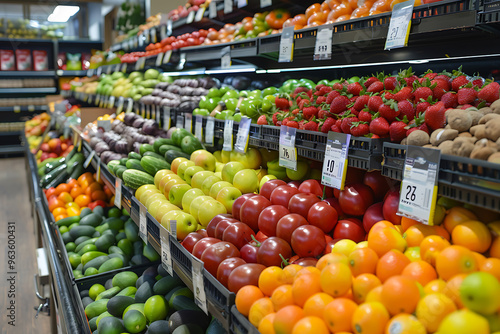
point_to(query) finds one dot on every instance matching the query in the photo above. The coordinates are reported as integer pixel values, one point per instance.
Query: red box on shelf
(7, 60)
(23, 60)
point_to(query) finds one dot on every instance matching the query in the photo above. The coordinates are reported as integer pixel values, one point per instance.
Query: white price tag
(212, 9)
(335, 163)
(241, 144)
(286, 45)
(159, 59)
(118, 193)
(89, 73)
(31, 107)
(153, 35)
(399, 26)
(108, 70)
(166, 118)
(287, 150)
(199, 14)
(188, 122)
(419, 186)
(190, 17)
(140, 63)
(130, 105)
(99, 71)
(209, 131)
(166, 57)
(182, 61)
(157, 114)
(265, 3)
(117, 68)
(87, 162)
(143, 223)
(225, 61)
(131, 43)
(242, 3)
(178, 121)
(163, 31)
(228, 135)
(119, 108)
(169, 27)
(146, 35)
(323, 47)
(111, 102)
(98, 172)
(17, 109)
(89, 99)
(200, 297)
(198, 127)
(228, 6)
(166, 256)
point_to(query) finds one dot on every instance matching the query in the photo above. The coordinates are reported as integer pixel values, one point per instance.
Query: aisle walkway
(16, 222)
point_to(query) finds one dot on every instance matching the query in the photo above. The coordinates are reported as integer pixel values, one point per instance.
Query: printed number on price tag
(399, 26)
(209, 131)
(287, 150)
(228, 135)
(286, 45)
(335, 164)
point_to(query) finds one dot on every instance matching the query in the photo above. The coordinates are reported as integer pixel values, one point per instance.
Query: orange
(413, 253)
(385, 239)
(73, 211)
(362, 285)
(61, 216)
(405, 324)
(432, 309)
(431, 246)
(407, 222)
(455, 260)
(338, 314)
(336, 279)
(331, 258)
(473, 235)
(266, 325)
(452, 289)
(400, 295)
(65, 197)
(495, 248)
(86, 176)
(271, 278)
(83, 200)
(245, 297)
(308, 271)
(370, 318)
(491, 265)
(107, 191)
(375, 295)
(282, 296)
(63, 187)
(55, 203)
(455, 216)
(98, 195)
(304, 286)
(316, 304)
(259, 309)
(75, 191)
(382, 224)
(391, 264)
(420, 271)
(363, 260)
(480, 258)
(72, 183)
(59, 211)
(92, 187)
(437, 285)
(415, 234)
(290, 271)
(310, 325)
(286, 318)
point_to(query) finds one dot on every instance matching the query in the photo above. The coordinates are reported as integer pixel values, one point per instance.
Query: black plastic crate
(153, 228)
(394, 160)
(218, 128)
(218, 295)
(182, 257)
(240, 324)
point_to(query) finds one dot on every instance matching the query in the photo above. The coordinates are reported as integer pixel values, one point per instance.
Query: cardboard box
(89, 115)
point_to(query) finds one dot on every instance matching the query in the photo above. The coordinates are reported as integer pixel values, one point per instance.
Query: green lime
(95, 290)
(75, 259)
(114, 212)
(134, 321)
(63, 229)
(70, 246)
(90, 271)
(155, 308)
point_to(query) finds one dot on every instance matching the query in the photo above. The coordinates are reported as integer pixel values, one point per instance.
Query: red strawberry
(293, 124)
(354, 88)
(404, 94)
(408, 76)
(318, 88)
(302, 89)
(322, 113)
(374, 103)
(375, 87)
(275, 117)
(311, 126)
(353, 99)
(441, 87)
(282, 101)
(310, 112)
(370, 81)
(347, 124)
(338, 86)
(339, 104)
(360, 129)
(335, 128)
(338, 123)
(466, 95)
(379, 126)
(321, 99)
(302, 124)
(490, 92)
(389, 111)
(331, 96)
(353, 111)
(390, 83)
(422, 93)
(410, 80)
(397, 131)
(434, 116)
(450, 100)
(444, 77)
(287, 119)
(422, 127)
(361, 102)
(302, 103)
(458, 82)
(325, 90)
(296, 111)
(429, 74)
(421, 107)
(365, 116)
(262, 120)
(406, 109)
(478, 82)
(327, 124)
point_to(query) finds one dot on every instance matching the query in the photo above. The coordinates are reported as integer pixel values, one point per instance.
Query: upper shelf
(18, 74)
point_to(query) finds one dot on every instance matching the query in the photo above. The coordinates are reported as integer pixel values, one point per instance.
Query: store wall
(162, 6)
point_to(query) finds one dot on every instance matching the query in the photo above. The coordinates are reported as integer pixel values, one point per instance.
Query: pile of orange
(408, 278)
(68, 199)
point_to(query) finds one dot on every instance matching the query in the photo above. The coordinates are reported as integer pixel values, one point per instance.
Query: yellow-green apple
(145, 187)
(163, 209)
(251, 159)
(261, 173)
(155, 205)
(186, 224)
(177, 192)
(218, 174)
(182, 168)
(227, 196)
(219, 166)
(146, 194)
(209, 210)
(175, 164)
(197, 203)
(206, 160)
(208, 183)
(265, 179)
(159, 175)
(230, 169)
(198, 178)
(196, 153)
(300, 173)
(200, 227)
(167, 178)
(170, 184)
(172, 215)
(217, 155)
(217, 186)
(154, 197)
(225, 156)
(190, 171)
(189, 196)
(246, 181)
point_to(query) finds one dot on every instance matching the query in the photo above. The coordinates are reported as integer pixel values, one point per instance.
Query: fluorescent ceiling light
(236, 70)
(63, 13)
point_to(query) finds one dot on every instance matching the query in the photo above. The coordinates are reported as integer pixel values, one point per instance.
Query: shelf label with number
(200, 297)
(419, 185)
(143, 223)
(225, 60)
(212, 9)
(242, 3)
(130, 105)
(143, 110)
(118, 193)
(87, 162)
(286, 45)
(198, 127)
(190, 17)
(209, 131)
(399, 26)
(188, 122)
(124, 68)
(159, 59)
(108, 70)
(241, 144)
(199, 14)
(287, 150)
(111, 102)
(323, 48)
(166, 118)
(148, 111)
(335, 163)
(98, 172)
(179, 121)
(166, 57)
(153, 35)
(228, 135)
(166, 256)
(265, 3)
(17, 109)
(228, 6)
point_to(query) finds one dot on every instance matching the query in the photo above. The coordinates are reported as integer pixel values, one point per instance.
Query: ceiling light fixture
(63, 13)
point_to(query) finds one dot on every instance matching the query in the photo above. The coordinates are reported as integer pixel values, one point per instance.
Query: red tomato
(250, 210)
(334, 202)
(238, 234)
(272, 251)
(190, 240)
(355, 199)
(391, 204)
(246, 274)
(287, 224)
(203, 244)
(294, 184)
(226, 267)
(203, 232)
(378, 183)
(308, 241)
(373, 215)
(301, 203)
(306, 262)
(269, 217)
(322, 215)
(249, 252)
(216, 253)
(238, 203)
(311, 186)
(221, 227)
(281, 195)
(261, 236)
(348, 229)
(213, 223)
(268, 187)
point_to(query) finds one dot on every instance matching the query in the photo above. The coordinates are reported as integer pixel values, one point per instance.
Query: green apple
(182, 168)
(197, 203)
(176, 162)
(268, 155)
(225, 156)
(154, 197)
(300, 173)
(219, 166)
(186, 224)
(177, 192)
(170, 184)
(227, 196)
(167, 178)
(246, 181)
(265, 179)
(196, 153)
(230, 169)
(164, 209)
(143, 188)
(261, 173)
(251, 159)
(479, 292)
(205, 159)
(218, 174)
(198, 178)
(208, 183)
(216, 187)
(189, 196)
(159, 175)
(189, 173)
(155, 205)
(172, 215)
(217, 155)
(209, 210)
(146, 194)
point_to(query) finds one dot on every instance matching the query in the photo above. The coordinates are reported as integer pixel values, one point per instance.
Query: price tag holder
(212, 9)
(98, 172)
(17, 109)
(153, 35)
(159, 59)
(169, 27)
(157, 114)
(178, 121)
(198, 127)
(188, 122)
(143, 223)
(228, 135)
(241, 144)
(182, 61)
(399, 26)
(242, 3)
(130, 105)
(117, 68)
(130, 44)
(225, 60)
(335, 164)
(228, 6)
(166, 256)
(200, 297)
(288, 152)
(166, 118)
(111, 102)
(124, 68)
(209, 131)
(190, 17)
(286, 45)
(119, 107)
(87, 162)
(166, 57)
(118, 193)
(148, 111)
(265, 3)
(419, 186)
(323, 47)
(199, 14)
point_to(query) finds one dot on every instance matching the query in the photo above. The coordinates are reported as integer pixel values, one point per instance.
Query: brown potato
(492, 129)
(418, 138)
(459, 120)
(440, 135)
(482, 153)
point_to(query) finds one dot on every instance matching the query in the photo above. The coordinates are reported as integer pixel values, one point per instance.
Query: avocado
(92, 219)
(125, 279)
(144, 292)
(118, 304)
(189, 317)
(129, 291)
(134, 321)
(110, 325)
(138, 260)
(96, 308)
(93, 323)
(108, 293)
(164, 285)
(188, 329)
(86, 301)
(159, 327)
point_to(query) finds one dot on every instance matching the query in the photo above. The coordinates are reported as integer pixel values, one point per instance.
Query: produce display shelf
(467, 180)
(38, 90)
(67, 73)
(26, 74)
(32, 108)
(240, 323)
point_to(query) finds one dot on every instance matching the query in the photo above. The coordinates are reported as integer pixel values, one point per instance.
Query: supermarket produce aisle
(17, 289)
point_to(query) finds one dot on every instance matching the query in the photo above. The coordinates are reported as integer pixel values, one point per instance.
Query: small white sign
(265, 3)
(190, 17)
(228, 135)
(118, 193)
(199, 14)
(188, 122)
(143, 223)
(212, 9)
(242, 136)
(166, 56)
(228, 6)
(399, 26)
(166, 256)
(198, 127)
(166, 118)
(323, 47)
(225, 61)
(200, 296)
(287, 150)
(286, 45)
(209, 131)
(335, 164)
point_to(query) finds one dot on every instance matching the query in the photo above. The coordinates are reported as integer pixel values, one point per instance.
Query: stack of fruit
(34, 128)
